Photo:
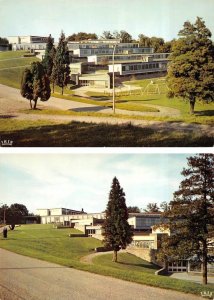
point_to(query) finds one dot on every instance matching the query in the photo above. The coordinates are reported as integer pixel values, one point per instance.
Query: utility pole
(113, 85)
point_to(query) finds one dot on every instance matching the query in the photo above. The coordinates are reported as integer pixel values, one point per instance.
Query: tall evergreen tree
(49, 56)
(61, 70)
(191, 213)
(116, 229)
(35, 84)
(191, 70)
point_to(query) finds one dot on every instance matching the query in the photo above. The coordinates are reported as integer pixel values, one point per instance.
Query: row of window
(140, 67)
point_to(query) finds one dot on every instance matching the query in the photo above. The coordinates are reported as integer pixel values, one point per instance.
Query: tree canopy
(191, 214)
(14, 213)
(133, 209)
(191, 70)
(81, 36)
(49, 56)
(35, 84)
(152, 208)
(116, 230)
(61, 70)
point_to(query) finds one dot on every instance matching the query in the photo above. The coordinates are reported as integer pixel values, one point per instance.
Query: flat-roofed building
(29, 42)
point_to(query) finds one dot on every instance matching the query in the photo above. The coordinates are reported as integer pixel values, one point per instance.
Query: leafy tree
(152, 208)
(81, 36)
(106, 35)
(61, 70)
(4, 41)
(164, 206)
(166, 47)
(123, 35)
(191, 70)
(191, 213)
(117, 231)
(49, 56)
(144, 40)
(35, 84)
(13, 214)
(156, 43)
(133, 209)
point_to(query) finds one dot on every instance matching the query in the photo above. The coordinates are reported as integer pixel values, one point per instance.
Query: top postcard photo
(96, 73)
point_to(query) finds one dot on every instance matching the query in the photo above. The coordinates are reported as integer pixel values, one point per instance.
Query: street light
(113, 86)
(4, 221)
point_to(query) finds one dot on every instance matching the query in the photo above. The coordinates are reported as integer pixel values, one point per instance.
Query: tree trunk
(192, 105)
(35, 102)
(204, 262)
(53, 87)
(62, 90)
(114, 258)
(31, 104)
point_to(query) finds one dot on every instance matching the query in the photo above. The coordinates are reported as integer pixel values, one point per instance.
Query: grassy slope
(54, 245)
(43, 134)
(204, 112)
(12, 77)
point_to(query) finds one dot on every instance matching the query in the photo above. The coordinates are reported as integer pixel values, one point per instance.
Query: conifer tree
(116, 229)
(191, 70)
(61, 70)
(35, 84)
(49, 56)
(191, 214)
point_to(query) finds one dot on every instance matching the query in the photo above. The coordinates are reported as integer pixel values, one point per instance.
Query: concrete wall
(146, 254)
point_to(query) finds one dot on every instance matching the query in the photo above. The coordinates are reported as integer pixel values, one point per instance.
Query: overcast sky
(162, 18)
(79, 181)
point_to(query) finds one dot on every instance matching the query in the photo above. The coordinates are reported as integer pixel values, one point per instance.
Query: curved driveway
(11, 102)
(25, 278)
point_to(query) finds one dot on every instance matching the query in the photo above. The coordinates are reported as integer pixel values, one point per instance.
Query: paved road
(24, 278)
(11, 103)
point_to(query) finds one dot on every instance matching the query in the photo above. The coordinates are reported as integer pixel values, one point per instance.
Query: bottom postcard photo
(106, 226)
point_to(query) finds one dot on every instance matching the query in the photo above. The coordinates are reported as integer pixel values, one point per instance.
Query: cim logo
(6, 143)
(207, 294)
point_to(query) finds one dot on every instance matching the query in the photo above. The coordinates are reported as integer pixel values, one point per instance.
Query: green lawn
(12, 77)
(54, 245)
(43, 133)
(204, 112)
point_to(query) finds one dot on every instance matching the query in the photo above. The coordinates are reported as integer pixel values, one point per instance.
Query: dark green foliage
(49, 56)
(191, 71)
(117, 231)
(152, 208)
(61, 70)
(35, 84)
(123, 35)
(81, 36)
(133, 209)
(3, 41)
(13, 214)
(191, 213)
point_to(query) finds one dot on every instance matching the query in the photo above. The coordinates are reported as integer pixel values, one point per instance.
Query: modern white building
(29, 42)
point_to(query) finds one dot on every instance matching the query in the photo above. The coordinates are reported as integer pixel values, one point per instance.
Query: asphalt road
(24, 278)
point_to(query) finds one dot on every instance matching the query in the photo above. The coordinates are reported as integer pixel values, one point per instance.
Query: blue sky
(79, 181)
(154, 18)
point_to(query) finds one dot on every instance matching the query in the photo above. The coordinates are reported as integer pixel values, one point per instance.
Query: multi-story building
(29, 42)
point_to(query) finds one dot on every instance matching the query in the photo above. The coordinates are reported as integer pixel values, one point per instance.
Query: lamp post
(4, 209)
(113, 85)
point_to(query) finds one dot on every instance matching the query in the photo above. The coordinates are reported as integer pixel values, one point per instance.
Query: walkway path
(25, 278)
(11, 102)
(162, 111)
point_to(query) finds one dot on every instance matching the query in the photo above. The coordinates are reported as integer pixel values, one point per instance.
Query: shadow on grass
(7, 116)
(146, 266)
(89, 109)
(81, 134)
(205, 113)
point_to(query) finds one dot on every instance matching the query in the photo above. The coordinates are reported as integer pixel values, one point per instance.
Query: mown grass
(54, 245)
(81, 134)
(204, 112)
